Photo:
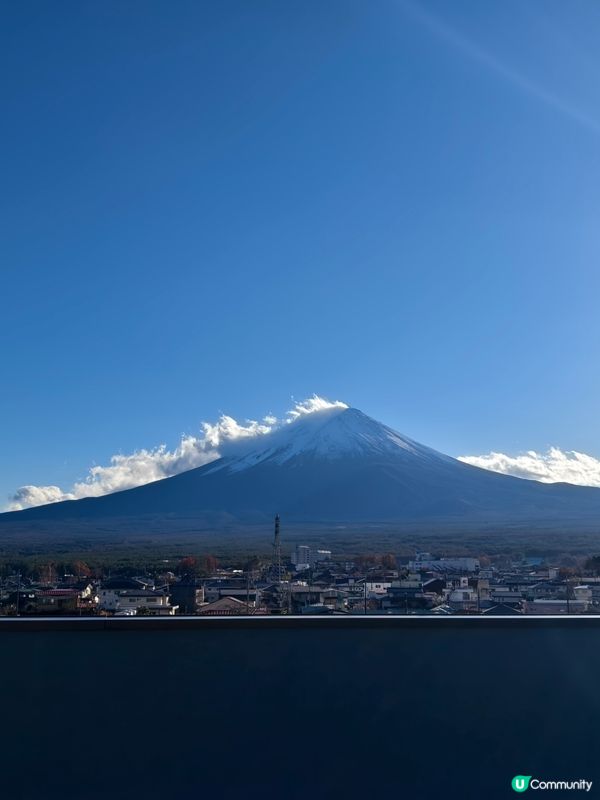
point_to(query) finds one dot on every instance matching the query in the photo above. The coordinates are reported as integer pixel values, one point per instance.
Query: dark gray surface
(353, 708)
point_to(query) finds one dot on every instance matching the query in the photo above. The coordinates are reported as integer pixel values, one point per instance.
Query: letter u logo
(520, 782)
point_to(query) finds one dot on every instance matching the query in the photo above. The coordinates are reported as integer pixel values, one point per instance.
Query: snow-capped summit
(331, 433)
(336, 465)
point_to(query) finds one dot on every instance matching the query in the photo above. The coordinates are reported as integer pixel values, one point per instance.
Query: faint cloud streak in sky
(475, 52)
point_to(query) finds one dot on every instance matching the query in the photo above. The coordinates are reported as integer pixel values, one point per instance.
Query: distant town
(306, 581)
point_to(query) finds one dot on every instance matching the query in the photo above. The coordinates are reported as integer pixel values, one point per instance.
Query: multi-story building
(110, 590)
(301, 557)
(152, 602)
(304, 557)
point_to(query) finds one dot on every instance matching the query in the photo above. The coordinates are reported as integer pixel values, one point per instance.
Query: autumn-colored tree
(364, 562)
(81, 569)
(567, 572)
(188, 566)
(47, 573)
(388, 561)
(208, 565)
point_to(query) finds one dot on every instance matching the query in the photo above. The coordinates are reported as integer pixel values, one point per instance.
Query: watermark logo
(520, 783)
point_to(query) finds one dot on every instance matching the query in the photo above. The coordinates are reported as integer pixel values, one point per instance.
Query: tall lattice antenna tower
(276, 563)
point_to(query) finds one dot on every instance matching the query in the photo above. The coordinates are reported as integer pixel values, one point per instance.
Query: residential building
(152, 602)
(226, 607)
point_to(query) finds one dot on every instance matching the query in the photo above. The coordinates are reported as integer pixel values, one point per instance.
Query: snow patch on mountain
(336, 432)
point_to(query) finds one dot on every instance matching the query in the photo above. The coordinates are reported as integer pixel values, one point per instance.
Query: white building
(110, 590)
(463, 598)
(304, 557)
(583, 593)
(301, 557)
(132, 600)
(320, 555)
(377, 588)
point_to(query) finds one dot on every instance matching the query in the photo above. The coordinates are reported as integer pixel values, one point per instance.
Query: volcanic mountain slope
(335, 466)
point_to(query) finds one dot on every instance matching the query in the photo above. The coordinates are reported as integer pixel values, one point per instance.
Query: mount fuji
(332, 466)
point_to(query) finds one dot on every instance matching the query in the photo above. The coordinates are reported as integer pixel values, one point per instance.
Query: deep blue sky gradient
(212, 207)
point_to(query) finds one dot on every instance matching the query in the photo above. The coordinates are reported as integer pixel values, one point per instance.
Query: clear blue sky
(211, 207)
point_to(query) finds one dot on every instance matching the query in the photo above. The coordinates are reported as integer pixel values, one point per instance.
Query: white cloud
(27, 496)
(554, 466)
(146, 466)
(312, 404)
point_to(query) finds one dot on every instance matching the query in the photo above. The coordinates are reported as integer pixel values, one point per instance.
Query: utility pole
(276, 562)
(276, 572)
(18, 591)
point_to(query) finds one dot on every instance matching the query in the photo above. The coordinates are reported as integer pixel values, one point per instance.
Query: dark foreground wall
(284, 708)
